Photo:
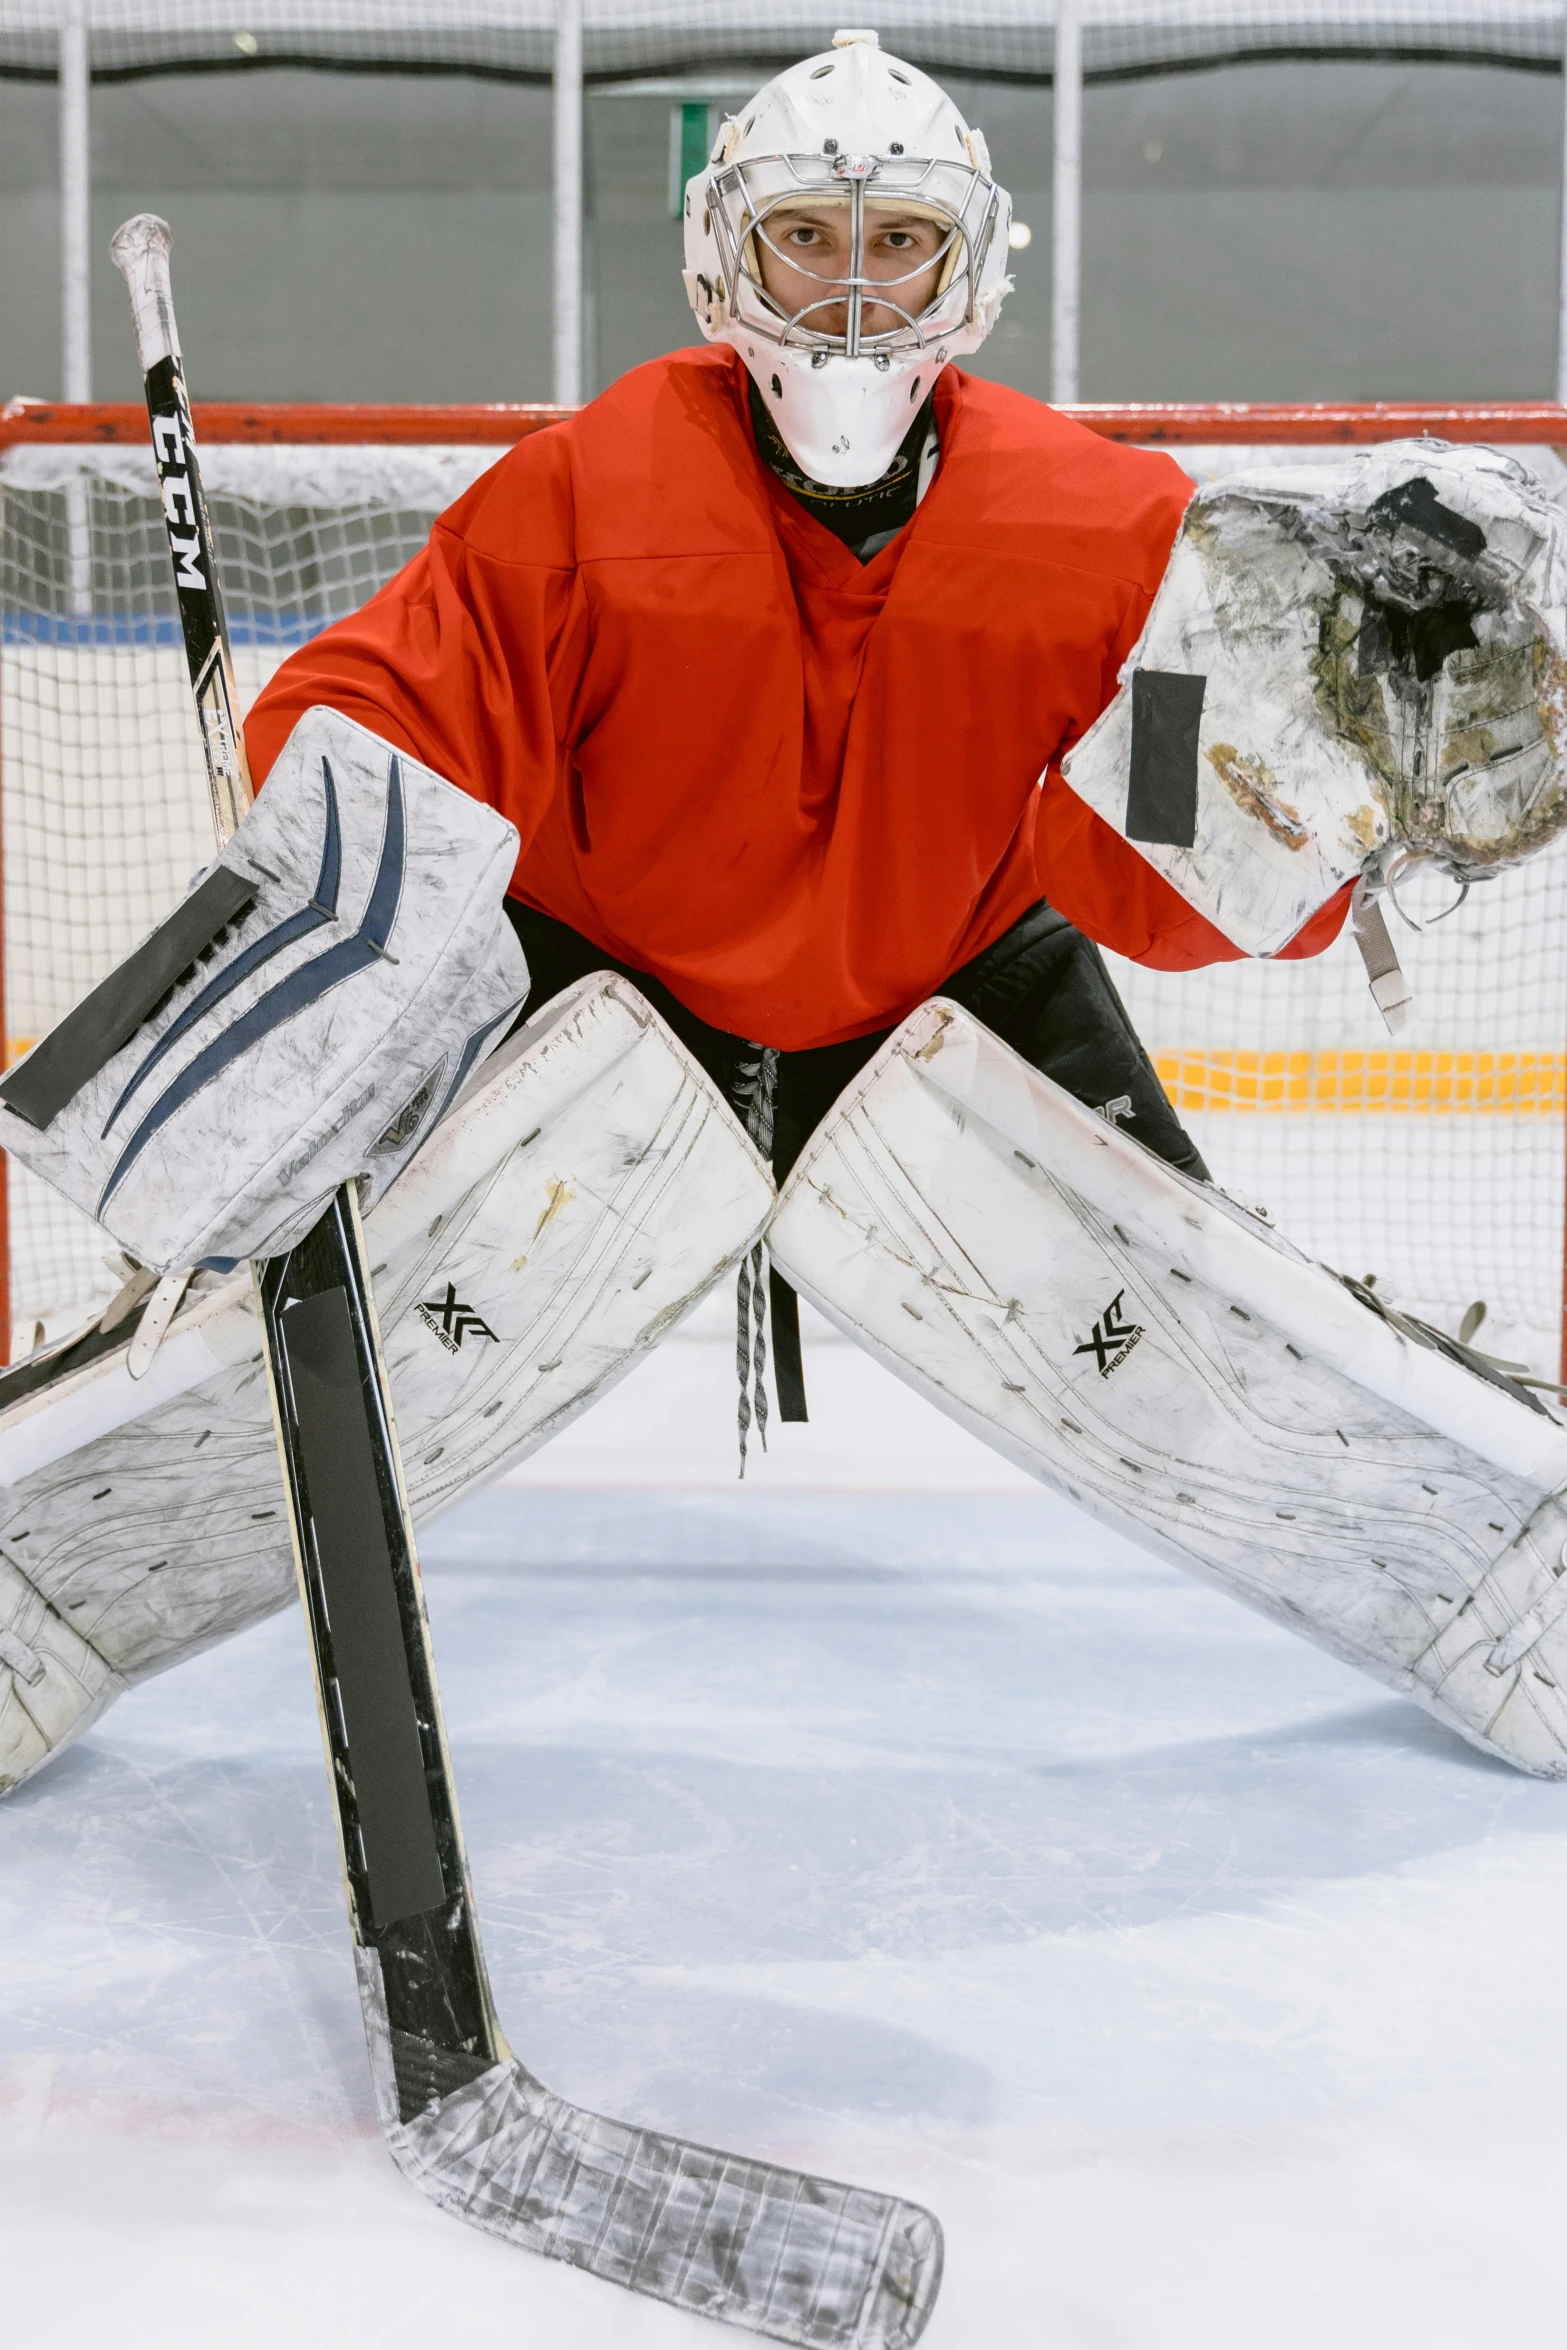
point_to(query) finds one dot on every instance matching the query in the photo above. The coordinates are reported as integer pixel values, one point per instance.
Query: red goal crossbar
(1152, 422)
(26, 422)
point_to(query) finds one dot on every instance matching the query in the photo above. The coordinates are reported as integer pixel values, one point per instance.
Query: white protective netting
(999, 39)
(1437, 1165)
(105, 815)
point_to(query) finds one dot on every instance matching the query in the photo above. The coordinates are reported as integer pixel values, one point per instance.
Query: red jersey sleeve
(469, 659)
(1101, 884)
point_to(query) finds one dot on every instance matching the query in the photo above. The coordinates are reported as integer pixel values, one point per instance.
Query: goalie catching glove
(1345, 666)
(304, 1017)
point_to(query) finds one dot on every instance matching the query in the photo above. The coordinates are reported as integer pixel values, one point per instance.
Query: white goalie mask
(845, 361)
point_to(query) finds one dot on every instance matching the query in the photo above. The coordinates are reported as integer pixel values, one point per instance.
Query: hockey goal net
(1435, 1164)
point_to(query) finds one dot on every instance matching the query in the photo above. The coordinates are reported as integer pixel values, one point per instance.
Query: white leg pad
(1169, 1362)
(581, 1198)
(53, 1683)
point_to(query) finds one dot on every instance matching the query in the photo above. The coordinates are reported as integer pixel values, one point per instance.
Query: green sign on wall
(690, 141)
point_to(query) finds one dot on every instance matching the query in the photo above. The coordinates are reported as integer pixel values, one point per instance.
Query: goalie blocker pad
(580, 1199)
(1172, 1364)
(304, 1017)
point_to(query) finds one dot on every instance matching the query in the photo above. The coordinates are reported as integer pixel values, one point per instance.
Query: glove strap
(1390, 989)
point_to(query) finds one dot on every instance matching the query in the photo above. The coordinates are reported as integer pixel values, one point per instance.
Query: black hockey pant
(1042, 988)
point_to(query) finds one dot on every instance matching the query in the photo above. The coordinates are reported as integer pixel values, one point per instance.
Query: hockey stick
(804, 2260)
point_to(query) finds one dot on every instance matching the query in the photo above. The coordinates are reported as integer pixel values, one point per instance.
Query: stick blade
(802, 2260)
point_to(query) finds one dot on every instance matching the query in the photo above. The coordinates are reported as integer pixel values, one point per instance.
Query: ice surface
(883, 1816)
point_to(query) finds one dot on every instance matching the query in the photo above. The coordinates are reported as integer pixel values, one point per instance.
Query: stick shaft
(399, 1838)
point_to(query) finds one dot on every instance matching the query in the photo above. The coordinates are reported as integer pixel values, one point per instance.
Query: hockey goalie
(783, 736)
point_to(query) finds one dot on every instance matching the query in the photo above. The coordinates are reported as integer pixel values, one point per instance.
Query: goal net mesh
(1435, 1163)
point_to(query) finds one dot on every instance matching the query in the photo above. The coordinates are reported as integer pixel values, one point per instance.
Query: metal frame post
(75, 205)
(1066, 206)
(76, 274)
(568, 202)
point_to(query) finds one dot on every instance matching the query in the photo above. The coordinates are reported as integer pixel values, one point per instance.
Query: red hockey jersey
(796, 789)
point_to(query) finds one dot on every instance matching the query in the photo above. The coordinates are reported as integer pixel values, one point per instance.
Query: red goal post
(1246, 1077)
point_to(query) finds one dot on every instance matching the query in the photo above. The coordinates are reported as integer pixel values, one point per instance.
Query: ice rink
(883, 1816)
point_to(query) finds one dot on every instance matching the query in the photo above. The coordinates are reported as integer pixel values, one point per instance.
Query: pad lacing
(754, 1087)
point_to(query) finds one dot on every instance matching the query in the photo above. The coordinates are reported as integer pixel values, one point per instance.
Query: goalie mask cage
(1434, 1163)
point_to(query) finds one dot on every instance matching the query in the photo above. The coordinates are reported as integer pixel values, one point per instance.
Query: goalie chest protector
(798, 790)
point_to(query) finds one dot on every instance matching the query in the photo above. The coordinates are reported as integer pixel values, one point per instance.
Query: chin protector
(1345, 665)
(301, 1019)
(1170, 1363)
(585, 1193)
